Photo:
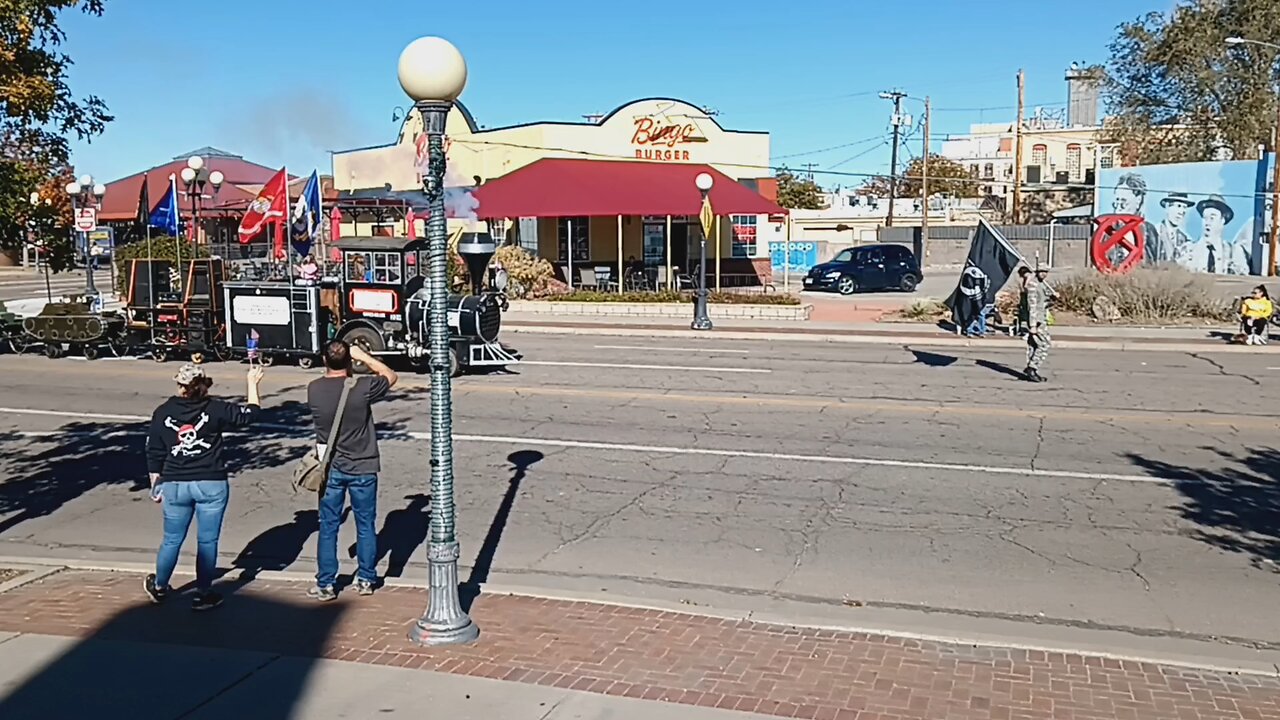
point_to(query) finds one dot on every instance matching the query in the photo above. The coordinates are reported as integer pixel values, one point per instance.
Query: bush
(162, 247)
(670, 296)
(530, 276)
(1168, 293)
(925, 310)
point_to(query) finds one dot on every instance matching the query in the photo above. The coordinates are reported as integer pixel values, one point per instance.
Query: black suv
(870, 267)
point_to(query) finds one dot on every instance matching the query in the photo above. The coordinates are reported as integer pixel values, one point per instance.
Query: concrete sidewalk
(47, 676)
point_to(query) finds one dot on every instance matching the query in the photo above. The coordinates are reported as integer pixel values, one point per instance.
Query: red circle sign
(1125, 231)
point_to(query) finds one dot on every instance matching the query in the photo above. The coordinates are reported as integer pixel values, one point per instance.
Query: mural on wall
(1206, 217)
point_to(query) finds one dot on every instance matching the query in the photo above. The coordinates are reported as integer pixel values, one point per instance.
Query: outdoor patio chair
(587, 279)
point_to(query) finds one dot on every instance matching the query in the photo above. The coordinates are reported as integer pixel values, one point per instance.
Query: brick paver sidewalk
(673, 657)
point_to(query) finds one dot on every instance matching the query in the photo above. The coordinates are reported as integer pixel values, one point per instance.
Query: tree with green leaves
(38, 116)
(1176, 90)
(946, 177)
(797, 193)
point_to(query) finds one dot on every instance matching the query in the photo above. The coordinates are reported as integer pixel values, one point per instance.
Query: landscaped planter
(798, 313)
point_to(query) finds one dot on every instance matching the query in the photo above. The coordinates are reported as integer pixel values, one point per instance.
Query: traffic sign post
(1123, 231)
(86, 219)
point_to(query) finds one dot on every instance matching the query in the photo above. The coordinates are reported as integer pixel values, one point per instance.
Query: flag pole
(177, 241)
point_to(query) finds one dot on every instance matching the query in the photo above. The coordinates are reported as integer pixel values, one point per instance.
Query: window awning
(556, 187)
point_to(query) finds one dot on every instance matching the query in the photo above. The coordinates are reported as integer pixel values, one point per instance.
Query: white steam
(459, 196)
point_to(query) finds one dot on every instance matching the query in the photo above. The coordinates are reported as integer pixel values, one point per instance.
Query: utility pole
(896, 96)
(1017, 154)
(1275, 197)
(924, 189)
(809, 170)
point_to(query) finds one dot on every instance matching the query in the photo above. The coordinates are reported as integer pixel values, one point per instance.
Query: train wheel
(306, 362)
(267, 360)
(455, 367)
(160, 355)
(53, 350)
(367, 339)
(90, 352)
(197, 358)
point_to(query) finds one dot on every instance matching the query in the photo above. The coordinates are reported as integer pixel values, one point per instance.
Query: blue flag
(305, 223)
(165, 216)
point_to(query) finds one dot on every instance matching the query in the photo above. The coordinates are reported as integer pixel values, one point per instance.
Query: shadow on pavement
(251, 658)
(403, 532)
(925, 357)
(521, 461)
(1237, 506)
(38, 475)
(1000, 368)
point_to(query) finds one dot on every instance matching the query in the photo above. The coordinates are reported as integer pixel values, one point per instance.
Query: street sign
(1118, 231)
(86, 219)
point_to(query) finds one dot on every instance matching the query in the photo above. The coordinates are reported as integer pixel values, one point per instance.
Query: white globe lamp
(187, 174)
(195, 162)
(73, 188)
(704, 181)
(431, 68)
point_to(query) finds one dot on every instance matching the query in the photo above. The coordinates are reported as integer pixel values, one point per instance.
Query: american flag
(252, 345)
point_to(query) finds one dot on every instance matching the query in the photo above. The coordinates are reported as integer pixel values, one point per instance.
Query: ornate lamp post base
(700, 319)
(444, 622)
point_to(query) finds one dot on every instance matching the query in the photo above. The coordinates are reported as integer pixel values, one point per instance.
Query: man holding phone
(355, 462)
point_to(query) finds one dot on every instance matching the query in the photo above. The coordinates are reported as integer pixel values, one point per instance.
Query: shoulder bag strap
(337, 418)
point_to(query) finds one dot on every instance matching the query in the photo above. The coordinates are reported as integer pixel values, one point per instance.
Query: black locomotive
(377, 299)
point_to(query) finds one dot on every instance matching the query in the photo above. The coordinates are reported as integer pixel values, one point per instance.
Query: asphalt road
(1133, 491)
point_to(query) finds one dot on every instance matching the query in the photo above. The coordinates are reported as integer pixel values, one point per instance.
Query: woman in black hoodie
(189, 476)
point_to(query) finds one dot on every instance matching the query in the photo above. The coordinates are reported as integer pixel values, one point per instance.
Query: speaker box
(149, 282)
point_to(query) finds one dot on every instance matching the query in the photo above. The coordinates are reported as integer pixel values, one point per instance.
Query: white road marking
(663, 348)
(628, 366)
(666, 450)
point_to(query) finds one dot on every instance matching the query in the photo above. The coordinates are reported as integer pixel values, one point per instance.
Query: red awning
(555, 187)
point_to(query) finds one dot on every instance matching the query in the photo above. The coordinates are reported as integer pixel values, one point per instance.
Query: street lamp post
(433, 73)
(194, 177)
(85, 193)
(1274, 239)
(701, 321)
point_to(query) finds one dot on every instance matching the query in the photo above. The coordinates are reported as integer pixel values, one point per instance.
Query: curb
(1189, 658)
(901, 339)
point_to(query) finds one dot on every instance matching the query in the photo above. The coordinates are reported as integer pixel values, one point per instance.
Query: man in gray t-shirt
(355, 463)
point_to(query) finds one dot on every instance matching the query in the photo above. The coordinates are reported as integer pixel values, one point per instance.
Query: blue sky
(286, 81)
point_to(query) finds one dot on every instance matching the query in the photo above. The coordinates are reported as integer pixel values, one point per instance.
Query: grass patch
(1166, 293)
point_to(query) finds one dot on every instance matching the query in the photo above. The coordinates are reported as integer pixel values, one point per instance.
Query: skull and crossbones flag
(990, 263)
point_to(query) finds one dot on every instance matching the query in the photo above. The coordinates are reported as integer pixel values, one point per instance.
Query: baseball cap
(189, 373)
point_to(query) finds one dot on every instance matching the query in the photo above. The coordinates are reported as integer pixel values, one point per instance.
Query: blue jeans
(364, 506)
(979, 324)
(206, 500)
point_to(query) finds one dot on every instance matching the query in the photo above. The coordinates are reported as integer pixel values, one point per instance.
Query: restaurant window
(1073, 162)
(744, 235)
(359, 266)
(386, 267)
(581, 239)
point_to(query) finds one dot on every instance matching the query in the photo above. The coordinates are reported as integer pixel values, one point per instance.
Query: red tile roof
(556, 187)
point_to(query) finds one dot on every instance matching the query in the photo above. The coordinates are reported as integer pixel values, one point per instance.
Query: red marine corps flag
(271, 205)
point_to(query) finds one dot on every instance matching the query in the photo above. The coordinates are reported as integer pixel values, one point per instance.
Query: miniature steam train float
(379, 301)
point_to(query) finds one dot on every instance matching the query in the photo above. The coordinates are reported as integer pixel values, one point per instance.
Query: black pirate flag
(990, 263)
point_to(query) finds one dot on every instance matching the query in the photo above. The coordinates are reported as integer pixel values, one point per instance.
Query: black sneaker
(364, 587)
(1031, 375)
(157, 594)
(323, 594)
(205, 601)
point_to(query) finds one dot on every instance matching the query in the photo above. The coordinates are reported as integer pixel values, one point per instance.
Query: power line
(828, 149)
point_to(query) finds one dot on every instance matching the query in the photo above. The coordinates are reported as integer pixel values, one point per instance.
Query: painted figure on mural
(1130, 195)
(1208, 253)
(1172, 230)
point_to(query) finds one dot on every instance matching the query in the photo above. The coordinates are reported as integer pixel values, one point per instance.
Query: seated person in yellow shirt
(1255, 313)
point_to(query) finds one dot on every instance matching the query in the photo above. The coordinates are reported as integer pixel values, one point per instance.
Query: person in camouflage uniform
(1037, 295)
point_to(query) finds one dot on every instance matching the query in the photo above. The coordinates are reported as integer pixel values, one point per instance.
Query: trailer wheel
(306, 362)
(160, 355)
(197, 358)
(455, 367)
(90, 352)
(266, 360)
(53, 350)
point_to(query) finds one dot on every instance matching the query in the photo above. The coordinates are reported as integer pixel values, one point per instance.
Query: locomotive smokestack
(476, 250)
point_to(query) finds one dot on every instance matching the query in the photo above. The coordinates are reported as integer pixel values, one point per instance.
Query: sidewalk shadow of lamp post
(433, 73)
(707, 216)
(87, 195)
